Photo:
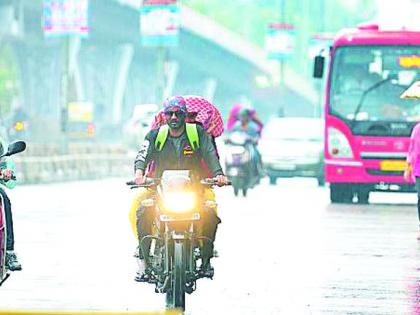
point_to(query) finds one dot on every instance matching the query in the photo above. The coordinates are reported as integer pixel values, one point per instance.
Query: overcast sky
(397, 13)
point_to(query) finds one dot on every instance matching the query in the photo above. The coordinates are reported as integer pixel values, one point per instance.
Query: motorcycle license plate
(169, 218)
(392, 165)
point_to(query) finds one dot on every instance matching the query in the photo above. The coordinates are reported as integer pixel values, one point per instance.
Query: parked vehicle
(175, 249)
(293, 146)
(367, 124)
(14, 147)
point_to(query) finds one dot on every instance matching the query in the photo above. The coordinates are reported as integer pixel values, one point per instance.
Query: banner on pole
(159, 23)
(319, 44)
(65, 17)
(280, 41)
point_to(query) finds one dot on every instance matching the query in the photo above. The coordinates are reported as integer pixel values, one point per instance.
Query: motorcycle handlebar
(154, 181)
(148, 183)
(213, 182)
(12, 178)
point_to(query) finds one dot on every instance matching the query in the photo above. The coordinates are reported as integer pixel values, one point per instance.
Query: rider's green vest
(192, 135)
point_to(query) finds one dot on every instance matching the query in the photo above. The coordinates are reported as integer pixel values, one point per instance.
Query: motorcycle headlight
(179, 202)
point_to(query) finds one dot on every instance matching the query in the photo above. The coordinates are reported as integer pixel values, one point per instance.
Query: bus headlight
(338, 144)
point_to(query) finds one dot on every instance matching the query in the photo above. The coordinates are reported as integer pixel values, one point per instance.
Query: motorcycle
(14, 147)
(172, 262)
(239, 162)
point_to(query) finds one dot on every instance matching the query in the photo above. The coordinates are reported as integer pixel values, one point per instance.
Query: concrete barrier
(44, 163)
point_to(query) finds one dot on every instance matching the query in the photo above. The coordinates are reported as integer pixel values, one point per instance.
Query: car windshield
(293, 129)
(366, 83)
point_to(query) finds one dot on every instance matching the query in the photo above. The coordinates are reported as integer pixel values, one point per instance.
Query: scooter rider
(7, 170)
(253, 130)
(171, 147)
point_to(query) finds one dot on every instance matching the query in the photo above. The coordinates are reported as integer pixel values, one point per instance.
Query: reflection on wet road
(283, 250)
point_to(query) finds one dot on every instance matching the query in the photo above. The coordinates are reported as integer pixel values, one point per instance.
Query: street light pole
(161, 73)
(64, 94)
(282, 63)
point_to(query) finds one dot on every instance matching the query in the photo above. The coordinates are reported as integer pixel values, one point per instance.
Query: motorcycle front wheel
(3, 236)
(175, 297)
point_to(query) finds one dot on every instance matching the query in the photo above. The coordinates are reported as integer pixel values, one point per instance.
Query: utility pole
(319, 83)
(64, 93)
(161, 73)
(282, 63)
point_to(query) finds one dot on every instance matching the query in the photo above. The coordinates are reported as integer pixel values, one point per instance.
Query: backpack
(192, 135)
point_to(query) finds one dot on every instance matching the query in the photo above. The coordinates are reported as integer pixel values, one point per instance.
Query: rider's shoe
(12, 262)
(141, 277)
(207, 270)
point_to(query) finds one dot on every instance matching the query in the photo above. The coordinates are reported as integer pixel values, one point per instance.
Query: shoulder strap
(192, 135)
(161, 137)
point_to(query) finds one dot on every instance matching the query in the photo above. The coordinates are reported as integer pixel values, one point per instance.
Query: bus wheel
(273, 180)
(341, 193)
(363, 196)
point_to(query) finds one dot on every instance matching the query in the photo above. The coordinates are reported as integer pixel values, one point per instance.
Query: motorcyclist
(246, 124)
(177, 153)
(160, 119)
(234, 116)
(7, 170)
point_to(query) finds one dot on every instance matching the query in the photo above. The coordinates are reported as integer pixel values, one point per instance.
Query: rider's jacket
(177, 154)
(6, 163)
(251, 129)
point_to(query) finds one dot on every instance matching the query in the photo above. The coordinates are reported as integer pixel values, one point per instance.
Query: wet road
(283, 250)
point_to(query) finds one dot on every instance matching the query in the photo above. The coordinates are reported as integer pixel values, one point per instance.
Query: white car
(293, 146)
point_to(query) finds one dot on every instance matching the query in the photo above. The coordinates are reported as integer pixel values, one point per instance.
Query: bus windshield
(367, 81)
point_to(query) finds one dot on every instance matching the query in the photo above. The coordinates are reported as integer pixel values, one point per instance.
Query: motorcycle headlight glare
(179, 202)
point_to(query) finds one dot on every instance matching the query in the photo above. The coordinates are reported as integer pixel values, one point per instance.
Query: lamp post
(64, 19)
(159, 28)
(282, 82)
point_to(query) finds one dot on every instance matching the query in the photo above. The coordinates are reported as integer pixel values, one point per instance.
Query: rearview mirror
(15, 147)
(319, 67)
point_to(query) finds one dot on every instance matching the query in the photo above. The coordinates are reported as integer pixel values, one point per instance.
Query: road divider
(82, 162)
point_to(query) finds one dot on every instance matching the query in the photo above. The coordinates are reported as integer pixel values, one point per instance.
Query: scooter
(14, 147)
(240, 150)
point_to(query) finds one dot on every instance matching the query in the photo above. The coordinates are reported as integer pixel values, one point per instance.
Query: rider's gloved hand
(139, 178)
(221, 180)
(6, 174)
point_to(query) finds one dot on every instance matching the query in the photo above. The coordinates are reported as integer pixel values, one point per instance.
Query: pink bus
(367, 124)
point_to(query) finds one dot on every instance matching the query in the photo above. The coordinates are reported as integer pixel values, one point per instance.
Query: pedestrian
(412, 170)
